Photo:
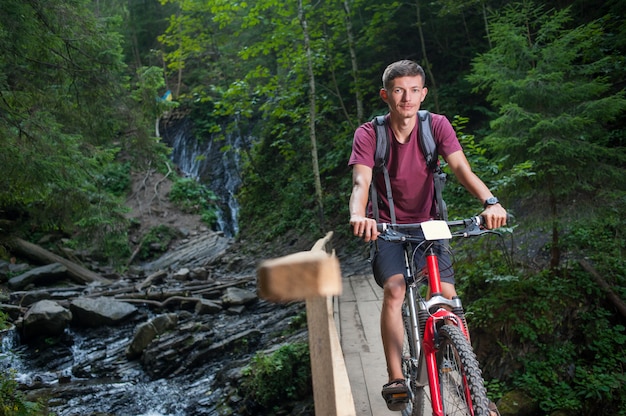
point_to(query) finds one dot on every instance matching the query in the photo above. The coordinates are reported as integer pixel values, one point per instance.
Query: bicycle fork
(431, 320)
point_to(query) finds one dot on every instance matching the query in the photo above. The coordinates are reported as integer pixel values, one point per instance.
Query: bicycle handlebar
(394, 232)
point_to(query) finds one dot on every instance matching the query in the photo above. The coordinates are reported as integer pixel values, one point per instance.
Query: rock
(45, 318)
(4, 268)
(154, 279)
(199, 273)
(195, 253)
(518, 403)
(147, 331)
(39, 275)
(182, 274)
(236, 296)
(236, 310)
(206, 306)
(34, 296)
(18, 268)
(100, 311)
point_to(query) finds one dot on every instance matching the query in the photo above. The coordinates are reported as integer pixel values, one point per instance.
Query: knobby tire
(459, 372)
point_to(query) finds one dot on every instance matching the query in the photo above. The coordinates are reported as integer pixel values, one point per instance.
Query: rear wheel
(460, 379)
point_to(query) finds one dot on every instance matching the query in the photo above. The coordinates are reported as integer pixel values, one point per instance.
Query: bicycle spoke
(452, 385)
(460, 379)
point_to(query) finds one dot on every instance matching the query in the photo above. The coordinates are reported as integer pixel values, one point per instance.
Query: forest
(535, 91)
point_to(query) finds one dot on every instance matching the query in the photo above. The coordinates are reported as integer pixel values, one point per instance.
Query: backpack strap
(427, 140)
(380, 164)
(429, 149)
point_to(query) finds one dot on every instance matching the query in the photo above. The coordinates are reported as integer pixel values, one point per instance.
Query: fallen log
(41, 255)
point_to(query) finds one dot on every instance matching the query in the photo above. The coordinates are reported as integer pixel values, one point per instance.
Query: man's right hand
(364, 227)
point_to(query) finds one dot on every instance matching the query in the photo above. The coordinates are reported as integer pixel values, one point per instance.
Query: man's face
(404, 96)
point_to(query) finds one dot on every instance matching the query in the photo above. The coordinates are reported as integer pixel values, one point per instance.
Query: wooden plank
(376, 375)
(331, 386)
(353, 337)
(363, 288)
(360, 309)
(358, 383)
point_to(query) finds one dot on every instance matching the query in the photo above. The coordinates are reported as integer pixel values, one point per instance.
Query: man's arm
(362, 226)
(495, 215)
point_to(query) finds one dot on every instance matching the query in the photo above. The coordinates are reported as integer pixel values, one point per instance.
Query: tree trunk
(41, 255)
(312, 115)
(360, 113)
(426, 62)
(555, 249)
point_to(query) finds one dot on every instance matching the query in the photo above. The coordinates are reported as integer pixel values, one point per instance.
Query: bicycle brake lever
(392, 235)
(471, 230)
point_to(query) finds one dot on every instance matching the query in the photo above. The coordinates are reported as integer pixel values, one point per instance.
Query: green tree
(548, 81)
(65, 114)
(56, 67)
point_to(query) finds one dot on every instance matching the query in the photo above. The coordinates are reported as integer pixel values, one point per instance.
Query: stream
(192, 369)
(85, 371)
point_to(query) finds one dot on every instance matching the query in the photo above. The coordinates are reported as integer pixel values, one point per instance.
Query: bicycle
(437, 351)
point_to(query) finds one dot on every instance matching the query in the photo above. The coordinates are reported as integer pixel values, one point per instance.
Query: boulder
(235, 296)
(45, 318)
(518, 403)
(39, 275)
(206, 306)
(4, 269)
(100, 311)
(197, 252)
(147, 331)
(182, 274)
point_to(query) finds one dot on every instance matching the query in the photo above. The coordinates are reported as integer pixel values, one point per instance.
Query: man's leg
(391, 326)
(447, 290)
(395, 393)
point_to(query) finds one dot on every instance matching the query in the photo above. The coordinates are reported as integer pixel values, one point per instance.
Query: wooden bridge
(343, 315)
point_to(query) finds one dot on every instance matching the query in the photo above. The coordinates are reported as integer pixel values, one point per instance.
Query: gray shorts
(388, 260)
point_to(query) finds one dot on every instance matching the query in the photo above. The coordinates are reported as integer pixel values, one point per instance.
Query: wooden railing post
(314, 276)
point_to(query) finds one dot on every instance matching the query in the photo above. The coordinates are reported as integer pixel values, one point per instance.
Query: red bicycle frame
(430, 332)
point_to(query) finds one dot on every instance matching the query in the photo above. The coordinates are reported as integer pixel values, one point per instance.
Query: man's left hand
(495, 216)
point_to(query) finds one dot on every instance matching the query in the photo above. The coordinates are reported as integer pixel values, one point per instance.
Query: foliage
(12, 400)
(156, 240)
(571, 336)
(115, 179)
(542, 127)
(4, 320)
(195, 198)
(556, 107)
(285, 375)
(65, 114)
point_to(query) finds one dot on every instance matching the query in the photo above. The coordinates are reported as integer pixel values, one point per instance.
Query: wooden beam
(314, 276)
(299, 276)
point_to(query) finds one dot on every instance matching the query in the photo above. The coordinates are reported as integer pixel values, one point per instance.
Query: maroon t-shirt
(411, 181)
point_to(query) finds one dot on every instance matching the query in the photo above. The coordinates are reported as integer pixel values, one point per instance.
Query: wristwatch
(491, 201)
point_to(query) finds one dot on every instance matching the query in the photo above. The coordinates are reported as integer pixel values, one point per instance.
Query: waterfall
(213, 161)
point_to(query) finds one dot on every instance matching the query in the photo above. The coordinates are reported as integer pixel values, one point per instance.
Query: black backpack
(429, 149)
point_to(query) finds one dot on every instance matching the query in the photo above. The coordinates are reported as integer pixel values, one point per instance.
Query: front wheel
(417, 393)
(460, 380)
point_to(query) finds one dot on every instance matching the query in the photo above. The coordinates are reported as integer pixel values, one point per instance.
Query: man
(412, 187)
